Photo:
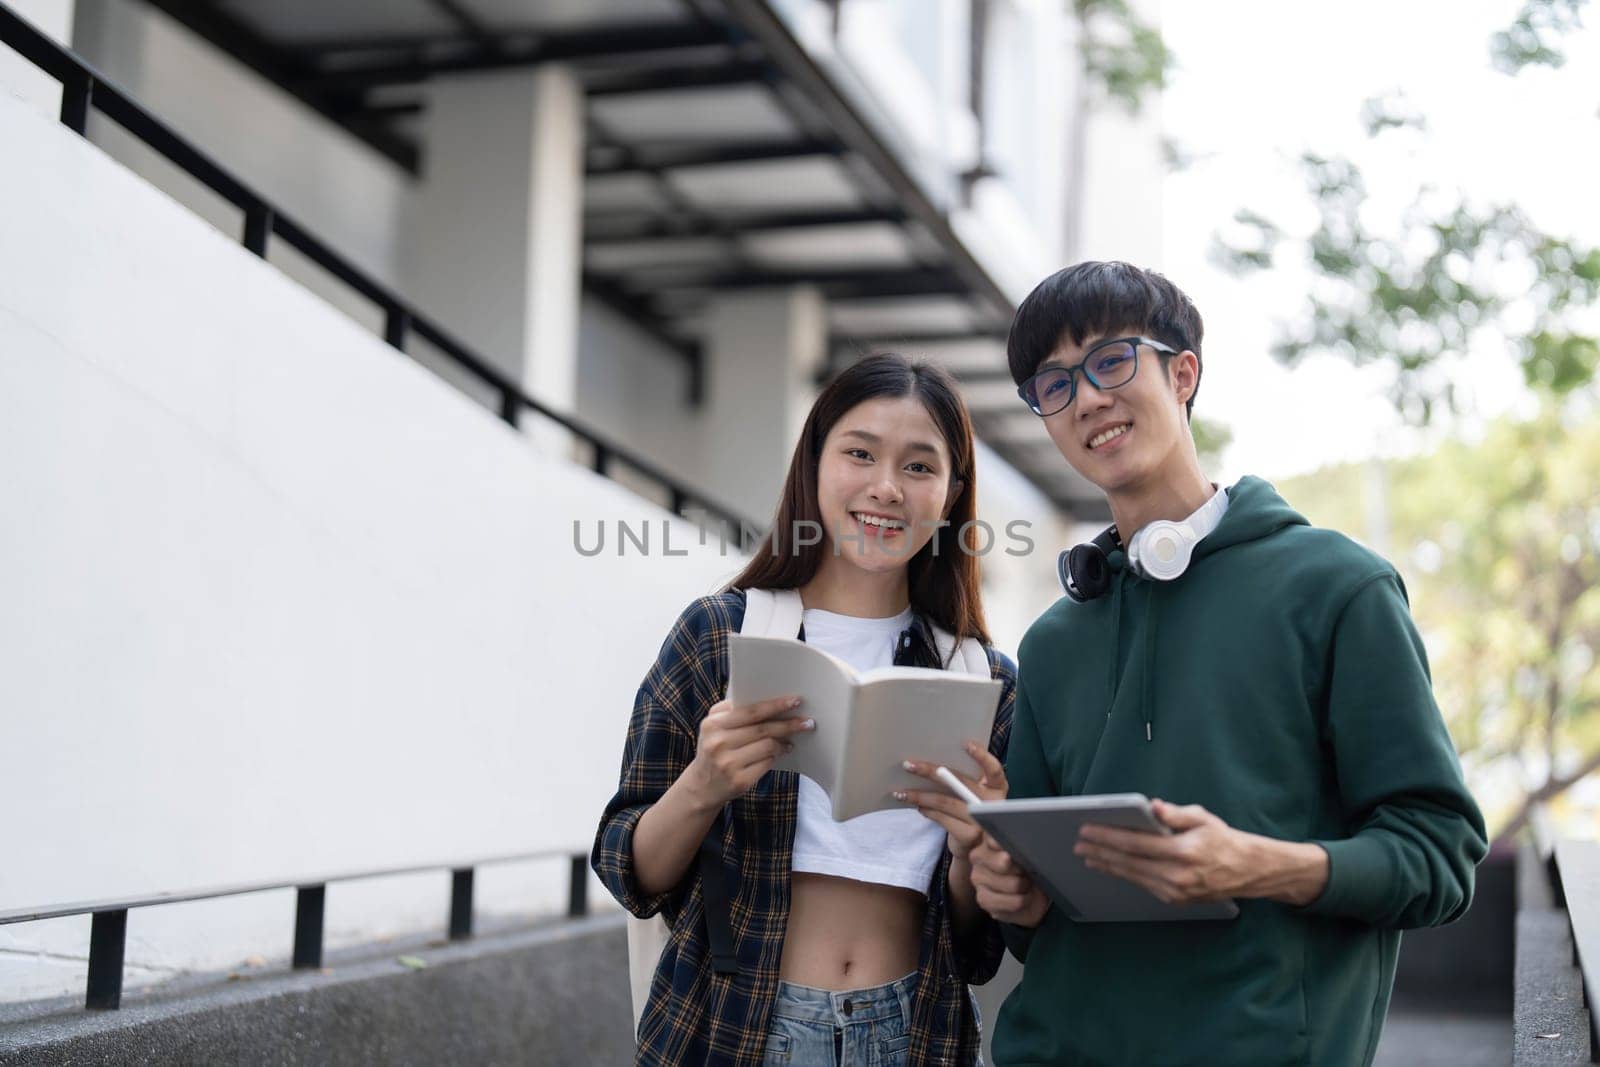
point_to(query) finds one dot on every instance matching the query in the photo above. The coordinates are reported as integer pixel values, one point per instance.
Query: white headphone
(1162, 549)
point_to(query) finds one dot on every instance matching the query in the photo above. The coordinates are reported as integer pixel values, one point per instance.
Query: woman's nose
(887, 490)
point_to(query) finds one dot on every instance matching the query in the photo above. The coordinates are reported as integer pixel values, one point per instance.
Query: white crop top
(899, 848)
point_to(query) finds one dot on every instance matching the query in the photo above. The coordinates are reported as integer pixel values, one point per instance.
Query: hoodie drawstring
(1116, 641)
(1147, 669)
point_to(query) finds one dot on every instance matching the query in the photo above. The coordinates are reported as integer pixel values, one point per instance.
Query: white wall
(22, 79)
(338, 187)
(278, 602)
(634, 389)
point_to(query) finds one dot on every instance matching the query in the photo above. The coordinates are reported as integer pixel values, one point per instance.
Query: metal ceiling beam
(657, 227)
(934, 337)
(671, 156)
(669, 79)
(567, 47)
(834, 284)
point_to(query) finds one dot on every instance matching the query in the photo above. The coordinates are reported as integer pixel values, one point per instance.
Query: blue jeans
(857, 1028)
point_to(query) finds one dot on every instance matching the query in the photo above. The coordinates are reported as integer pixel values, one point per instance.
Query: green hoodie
(1281, 684)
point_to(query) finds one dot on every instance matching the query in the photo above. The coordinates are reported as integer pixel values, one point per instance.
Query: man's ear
(1184, 370)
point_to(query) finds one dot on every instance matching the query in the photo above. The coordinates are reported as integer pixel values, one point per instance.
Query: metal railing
(109, 928)
(84, 89)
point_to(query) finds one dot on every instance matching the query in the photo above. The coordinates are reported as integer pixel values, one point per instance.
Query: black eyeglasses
(1108, 365)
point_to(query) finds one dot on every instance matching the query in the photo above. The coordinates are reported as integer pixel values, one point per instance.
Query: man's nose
(1090, 399)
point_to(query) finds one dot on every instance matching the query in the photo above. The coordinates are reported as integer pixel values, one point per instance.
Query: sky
(1257, 84)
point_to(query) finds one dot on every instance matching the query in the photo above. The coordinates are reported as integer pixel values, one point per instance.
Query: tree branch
(1546, 793)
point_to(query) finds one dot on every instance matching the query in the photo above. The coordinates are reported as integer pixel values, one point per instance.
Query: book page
(761, 668)
(911, 713)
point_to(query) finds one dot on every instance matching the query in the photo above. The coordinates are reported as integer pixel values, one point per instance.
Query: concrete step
(557, 994)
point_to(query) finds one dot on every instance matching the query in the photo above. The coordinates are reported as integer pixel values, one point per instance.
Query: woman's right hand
(737, 746)
(1004, 889)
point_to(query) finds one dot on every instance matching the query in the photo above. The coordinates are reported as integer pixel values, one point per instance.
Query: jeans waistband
(850, 1006)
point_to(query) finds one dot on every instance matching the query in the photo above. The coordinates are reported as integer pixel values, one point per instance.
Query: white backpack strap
(772, 612)
(977, 660)
(647, 938)
(970, 658)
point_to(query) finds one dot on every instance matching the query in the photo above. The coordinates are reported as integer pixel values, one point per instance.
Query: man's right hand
(737, 746)
(1004, 890)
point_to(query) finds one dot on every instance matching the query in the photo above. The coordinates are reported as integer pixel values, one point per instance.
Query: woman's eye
(858, 453)
(919, 468)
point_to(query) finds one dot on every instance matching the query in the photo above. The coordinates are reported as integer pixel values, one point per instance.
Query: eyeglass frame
(1081, 367)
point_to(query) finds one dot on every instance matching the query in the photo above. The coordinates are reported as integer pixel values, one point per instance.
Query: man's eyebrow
(874, 439)
(1053, 361)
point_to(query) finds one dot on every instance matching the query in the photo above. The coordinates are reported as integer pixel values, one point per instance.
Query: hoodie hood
(1255, 511)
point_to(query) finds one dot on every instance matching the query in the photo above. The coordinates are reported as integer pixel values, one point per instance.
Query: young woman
(855, 940)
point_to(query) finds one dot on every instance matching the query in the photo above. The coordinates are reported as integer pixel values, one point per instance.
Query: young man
(1273, 692)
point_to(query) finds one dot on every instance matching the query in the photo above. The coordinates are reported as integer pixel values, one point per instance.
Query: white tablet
(1040, 833)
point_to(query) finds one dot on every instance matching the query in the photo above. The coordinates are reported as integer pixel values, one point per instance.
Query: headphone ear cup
(1084, 572)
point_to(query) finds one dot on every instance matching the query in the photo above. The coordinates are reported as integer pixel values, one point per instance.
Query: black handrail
(83, 88)
(109, 929)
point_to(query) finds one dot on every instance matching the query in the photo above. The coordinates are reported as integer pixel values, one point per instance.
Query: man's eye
(1107, 362)
(1055, 386)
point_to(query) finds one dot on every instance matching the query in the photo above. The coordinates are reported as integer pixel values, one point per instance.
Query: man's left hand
(1205, 859)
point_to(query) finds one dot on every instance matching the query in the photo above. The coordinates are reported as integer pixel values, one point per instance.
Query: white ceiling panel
(634, 255)
(622, 192)
(316, 20)
(997, 395)
(573, 14)
(809, 183)
(727, 113)
(874, 245)
(900, 315)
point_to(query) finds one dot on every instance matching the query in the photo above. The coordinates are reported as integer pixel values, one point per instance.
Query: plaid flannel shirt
(695, 1016)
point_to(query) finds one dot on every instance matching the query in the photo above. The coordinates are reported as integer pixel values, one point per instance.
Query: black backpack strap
(714, 890)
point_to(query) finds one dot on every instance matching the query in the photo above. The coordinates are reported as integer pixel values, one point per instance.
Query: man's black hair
(1095, 299)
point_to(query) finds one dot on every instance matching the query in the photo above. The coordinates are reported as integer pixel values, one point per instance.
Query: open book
(868, 723)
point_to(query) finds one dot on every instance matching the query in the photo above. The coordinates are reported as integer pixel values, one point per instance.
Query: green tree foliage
(1499, 544)
(1499, 540)
(1121, 53)
(1418, 294)
(1533, 38)
(1211, 437)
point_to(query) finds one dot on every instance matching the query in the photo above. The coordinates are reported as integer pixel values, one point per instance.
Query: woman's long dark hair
(943, 576)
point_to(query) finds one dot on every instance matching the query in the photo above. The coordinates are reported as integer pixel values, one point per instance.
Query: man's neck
(844, 589)
(1172, 495)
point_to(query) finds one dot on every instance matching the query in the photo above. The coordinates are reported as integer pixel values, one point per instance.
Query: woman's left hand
(949, 811)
